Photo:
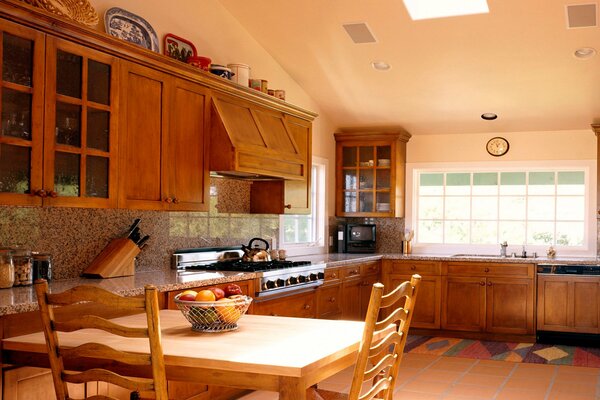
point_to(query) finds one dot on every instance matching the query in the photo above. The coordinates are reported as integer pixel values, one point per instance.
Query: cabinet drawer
(302, 306)
(416, 267)
(370, 268)
(351, 272)
(332, 274)
(328, 301)
(489, 269)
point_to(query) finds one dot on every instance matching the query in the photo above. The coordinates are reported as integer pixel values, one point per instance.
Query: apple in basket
(232, 289)
(219, 293)
(188, 295)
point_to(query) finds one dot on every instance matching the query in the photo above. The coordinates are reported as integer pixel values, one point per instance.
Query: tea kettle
(252, 252)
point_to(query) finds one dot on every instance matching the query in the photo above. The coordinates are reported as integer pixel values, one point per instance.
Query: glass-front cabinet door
(21, 113)
(366, 179)
(80, 126)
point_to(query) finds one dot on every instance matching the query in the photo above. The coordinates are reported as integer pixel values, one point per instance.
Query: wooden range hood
(252, 141)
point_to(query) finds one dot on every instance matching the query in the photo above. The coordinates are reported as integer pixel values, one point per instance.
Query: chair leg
(134, 395)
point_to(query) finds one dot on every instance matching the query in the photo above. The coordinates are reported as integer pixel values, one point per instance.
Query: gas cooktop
(247, 266)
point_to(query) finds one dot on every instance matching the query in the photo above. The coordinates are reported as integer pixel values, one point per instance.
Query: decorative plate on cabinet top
(130, 27)
(179, 48)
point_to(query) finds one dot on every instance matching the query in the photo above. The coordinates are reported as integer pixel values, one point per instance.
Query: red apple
(219, 293)
(187, 297)
(232, 289)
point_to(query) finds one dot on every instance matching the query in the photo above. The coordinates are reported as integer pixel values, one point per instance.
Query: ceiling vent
(359, 33)
(581, 15)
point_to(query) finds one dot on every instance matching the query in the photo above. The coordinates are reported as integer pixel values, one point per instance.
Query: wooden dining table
(281, 354)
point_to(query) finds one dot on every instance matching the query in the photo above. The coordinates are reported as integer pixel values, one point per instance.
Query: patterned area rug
(504, 351)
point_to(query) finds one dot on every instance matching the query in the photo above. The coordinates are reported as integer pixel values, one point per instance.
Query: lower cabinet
(357, 283)
(329, 301)
(300, 305)
(568, 304)
(28, 383)
(463, 307)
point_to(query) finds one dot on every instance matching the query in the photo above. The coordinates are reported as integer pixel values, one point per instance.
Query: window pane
(571, 182)
(511, 231)
(456, 232)
(540, 233)
(458, 207)
(569, 233)
(512, 183)
(484, 232)
(485, 183)
(570, 208)
(431, 184)
(541, 183)
(431, 207)
(485, 207)
(430, 232)
(458, 184)
(540, 208)
(512, 207)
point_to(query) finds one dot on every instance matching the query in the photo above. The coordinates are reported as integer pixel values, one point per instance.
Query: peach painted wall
(218, 35)
(524, 146)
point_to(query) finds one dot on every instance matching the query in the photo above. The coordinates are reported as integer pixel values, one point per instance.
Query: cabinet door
(463, 308)
(351, 299)
(144, 123)
(299, 305)
(297, 194)
(188, 161)
(329, 301)
(509, 306)
(586, 310)
(80, 142)
(22, 114)
(427, 310)
(553, 304)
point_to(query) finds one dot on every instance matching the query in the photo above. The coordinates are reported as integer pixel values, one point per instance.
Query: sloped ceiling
(517, 61)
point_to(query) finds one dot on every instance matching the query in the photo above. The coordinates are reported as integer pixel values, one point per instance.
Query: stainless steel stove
(272, 276)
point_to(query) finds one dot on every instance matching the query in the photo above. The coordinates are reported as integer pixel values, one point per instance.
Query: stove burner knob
(270, 285)
(313, 277)
(292, 280)
(302, 278)
(280, 282)
(321, 275)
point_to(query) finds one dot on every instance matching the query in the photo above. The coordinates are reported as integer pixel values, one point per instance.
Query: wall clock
(497, 146)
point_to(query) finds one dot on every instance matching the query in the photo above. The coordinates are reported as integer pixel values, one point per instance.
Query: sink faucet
(503, 247)
(524, 253)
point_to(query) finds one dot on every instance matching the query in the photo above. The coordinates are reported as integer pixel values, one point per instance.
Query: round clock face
(497, 146)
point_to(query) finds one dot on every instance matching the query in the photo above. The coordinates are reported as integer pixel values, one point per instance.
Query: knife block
(117, 259)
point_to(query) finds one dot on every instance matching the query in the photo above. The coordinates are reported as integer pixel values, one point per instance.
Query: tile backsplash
(74, 236)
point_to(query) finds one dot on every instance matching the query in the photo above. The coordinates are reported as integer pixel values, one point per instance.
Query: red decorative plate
(179, 48)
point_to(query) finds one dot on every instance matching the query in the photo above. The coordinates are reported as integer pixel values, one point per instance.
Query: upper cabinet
(58, 128)
(370, 173)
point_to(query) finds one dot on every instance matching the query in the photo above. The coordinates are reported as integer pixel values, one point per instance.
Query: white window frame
(590, 230)
(318, 212)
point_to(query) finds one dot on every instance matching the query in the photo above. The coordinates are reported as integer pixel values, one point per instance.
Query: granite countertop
(22, 299)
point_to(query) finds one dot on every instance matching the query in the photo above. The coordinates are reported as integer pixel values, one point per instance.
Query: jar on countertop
(7, 269)
(42, 266)
(23, 266)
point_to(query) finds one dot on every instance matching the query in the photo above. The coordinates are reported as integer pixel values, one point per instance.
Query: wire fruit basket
(214, 316)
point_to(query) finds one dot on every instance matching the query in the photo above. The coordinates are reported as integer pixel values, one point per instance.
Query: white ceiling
(517, 61)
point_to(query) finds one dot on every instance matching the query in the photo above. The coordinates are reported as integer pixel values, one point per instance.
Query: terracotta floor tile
(449, 365)
(472, 391)
(416, 363)
(578, 370)
(520, 394)
(489, 370)
(571, 377)
(545, 374)
(425, 386)
(483, 380)
(421, 357)
(408, 395)
(540, 385)
(569, 396)
(497, 364)
(440, 375)
(581, 388)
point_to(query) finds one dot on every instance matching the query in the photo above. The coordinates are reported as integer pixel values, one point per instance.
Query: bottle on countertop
(42, 266)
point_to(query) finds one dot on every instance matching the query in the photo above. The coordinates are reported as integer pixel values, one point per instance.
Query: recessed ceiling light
(489, 116)
(584, 53)
(381, 65)
(426, 9)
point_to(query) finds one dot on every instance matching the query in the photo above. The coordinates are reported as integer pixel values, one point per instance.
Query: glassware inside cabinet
(349, 157)
(68, 124)
(366, 179)
(16, 114)
(366, 156)
(17, 60)
(366, 202)
(67, 174)
(384, 156)
(68, 74)
(96, 179)
(15, 168)
(383, 202)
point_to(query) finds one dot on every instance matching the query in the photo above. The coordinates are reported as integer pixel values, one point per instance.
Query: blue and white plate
(130, 27)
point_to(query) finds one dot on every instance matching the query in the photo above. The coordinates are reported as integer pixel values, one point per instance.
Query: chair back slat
(99, 350)
(87, 293)
(99, 374)
(95, 322)
(384, 354)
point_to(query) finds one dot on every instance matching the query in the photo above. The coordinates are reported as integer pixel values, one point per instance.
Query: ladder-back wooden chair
(156, 387)
(378, 360)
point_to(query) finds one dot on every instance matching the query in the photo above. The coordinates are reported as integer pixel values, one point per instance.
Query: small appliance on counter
(356, 238)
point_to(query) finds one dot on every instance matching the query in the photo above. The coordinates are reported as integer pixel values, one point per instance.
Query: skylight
(427, 9)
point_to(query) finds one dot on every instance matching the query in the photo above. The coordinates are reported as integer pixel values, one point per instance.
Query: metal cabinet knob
(487, 270)
(52, 194)
(333, 275)
(414, 267)
(288, 206)
(307, 306)
(489, 283)
(168, 200)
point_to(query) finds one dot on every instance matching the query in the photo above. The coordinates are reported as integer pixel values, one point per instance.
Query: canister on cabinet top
(42, 266)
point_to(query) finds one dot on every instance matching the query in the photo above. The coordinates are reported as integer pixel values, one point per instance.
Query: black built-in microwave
(356, 238)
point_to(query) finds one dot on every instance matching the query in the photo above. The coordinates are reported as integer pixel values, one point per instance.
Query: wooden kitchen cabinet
(163, 153)
(329, 295)
(357, 283)
(428, 307)
(488, 297)
(58, 142)
(370, 173)
(568, 303)
(301, 305)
